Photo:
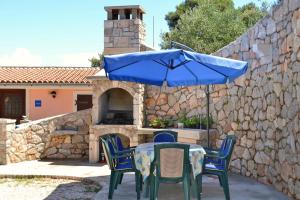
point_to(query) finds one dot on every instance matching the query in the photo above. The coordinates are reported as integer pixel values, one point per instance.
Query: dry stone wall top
(65, 136)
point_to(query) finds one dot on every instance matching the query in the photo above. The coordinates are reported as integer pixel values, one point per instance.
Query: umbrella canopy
(176, 67)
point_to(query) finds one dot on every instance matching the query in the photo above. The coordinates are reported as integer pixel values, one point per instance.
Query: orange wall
(62, 103)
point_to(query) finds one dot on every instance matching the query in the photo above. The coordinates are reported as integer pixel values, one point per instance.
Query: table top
(144, 155)
(150, 146)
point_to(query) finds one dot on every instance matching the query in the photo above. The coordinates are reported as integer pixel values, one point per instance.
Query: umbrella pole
(207, 115)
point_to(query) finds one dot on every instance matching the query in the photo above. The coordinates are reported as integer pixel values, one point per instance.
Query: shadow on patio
(240, 187)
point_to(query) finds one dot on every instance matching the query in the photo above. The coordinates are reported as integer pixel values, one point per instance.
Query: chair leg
(186, 187)
(156, 186)
(118, 176)
(121, 178)
(220, 180)
(111, 185)
(141, 182)
(116, 179)
(137, 184)
(151, 187)
(199, 182)
(225, 186)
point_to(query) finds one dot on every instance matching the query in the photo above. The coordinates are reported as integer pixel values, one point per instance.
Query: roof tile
(47, 75)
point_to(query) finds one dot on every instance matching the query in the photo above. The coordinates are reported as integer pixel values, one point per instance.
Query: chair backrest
(171, 160)
(228, 149)
(117, 142)
(165, 136)
(223, 145)
(108, 150)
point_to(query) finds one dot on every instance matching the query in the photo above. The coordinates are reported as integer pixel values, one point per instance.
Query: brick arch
(127, 132)
(119, 86)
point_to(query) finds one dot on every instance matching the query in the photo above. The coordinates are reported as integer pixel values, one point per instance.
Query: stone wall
(6, 125)
(265, 115)
(171, 103)
(64, 136)
(261, 108)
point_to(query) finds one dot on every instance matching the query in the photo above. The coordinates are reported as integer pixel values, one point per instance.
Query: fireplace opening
(116, 107)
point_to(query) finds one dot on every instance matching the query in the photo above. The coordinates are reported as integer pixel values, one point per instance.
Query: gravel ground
(45, 188)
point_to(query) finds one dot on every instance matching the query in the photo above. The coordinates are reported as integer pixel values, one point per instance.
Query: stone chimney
(123, 30)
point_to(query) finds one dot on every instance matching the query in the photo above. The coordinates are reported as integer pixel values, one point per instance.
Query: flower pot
(180, 125)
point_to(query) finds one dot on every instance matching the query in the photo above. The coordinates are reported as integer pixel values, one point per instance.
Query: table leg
(197, 186)
(147, 187)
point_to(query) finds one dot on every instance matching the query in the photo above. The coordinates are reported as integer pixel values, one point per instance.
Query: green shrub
(203, 122)
(159, 123)
(196, 122)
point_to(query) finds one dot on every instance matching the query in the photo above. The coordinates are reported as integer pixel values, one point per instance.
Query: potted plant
(194, 122)
(181, 120)
(203, 122)
(159, 123)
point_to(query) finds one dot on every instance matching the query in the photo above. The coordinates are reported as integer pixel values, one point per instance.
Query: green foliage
(204, 121)
(159, 123)
(250, 13)
(182, 117)
(192, 122)
(97, 62)
(196, 122)
(208, 25)
(172, 18)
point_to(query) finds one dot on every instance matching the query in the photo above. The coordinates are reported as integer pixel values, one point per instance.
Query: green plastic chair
(171, 165)
(119, 163)
(217, 163)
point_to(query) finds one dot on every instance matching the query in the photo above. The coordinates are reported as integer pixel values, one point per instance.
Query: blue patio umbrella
(175, 67)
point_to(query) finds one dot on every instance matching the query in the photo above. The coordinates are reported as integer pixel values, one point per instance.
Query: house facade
(40, 92)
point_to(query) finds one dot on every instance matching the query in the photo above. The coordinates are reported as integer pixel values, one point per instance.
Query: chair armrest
(211, 151)
(124, 155)
(219, 156)
(127, 151)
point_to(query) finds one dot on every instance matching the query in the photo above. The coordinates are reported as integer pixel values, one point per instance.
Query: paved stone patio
(240, 187)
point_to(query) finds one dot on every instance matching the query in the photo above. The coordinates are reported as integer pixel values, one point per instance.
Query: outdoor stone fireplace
(116, 107)
(114, 101)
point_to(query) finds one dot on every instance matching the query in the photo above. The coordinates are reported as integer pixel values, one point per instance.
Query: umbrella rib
(183, 63)
(212, 69)
(166, 74)
(161, 63)
(124, 66)
(191, 72)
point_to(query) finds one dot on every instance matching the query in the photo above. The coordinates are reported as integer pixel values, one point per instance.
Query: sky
(68, 32)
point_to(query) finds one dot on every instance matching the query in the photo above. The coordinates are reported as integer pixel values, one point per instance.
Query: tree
(172, 18)
(210, 25)
(250, 13)
(97, 62)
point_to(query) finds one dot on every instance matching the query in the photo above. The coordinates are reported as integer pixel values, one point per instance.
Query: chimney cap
(138, 7)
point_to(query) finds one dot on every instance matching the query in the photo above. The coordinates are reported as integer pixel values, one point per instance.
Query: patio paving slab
(240, 187)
